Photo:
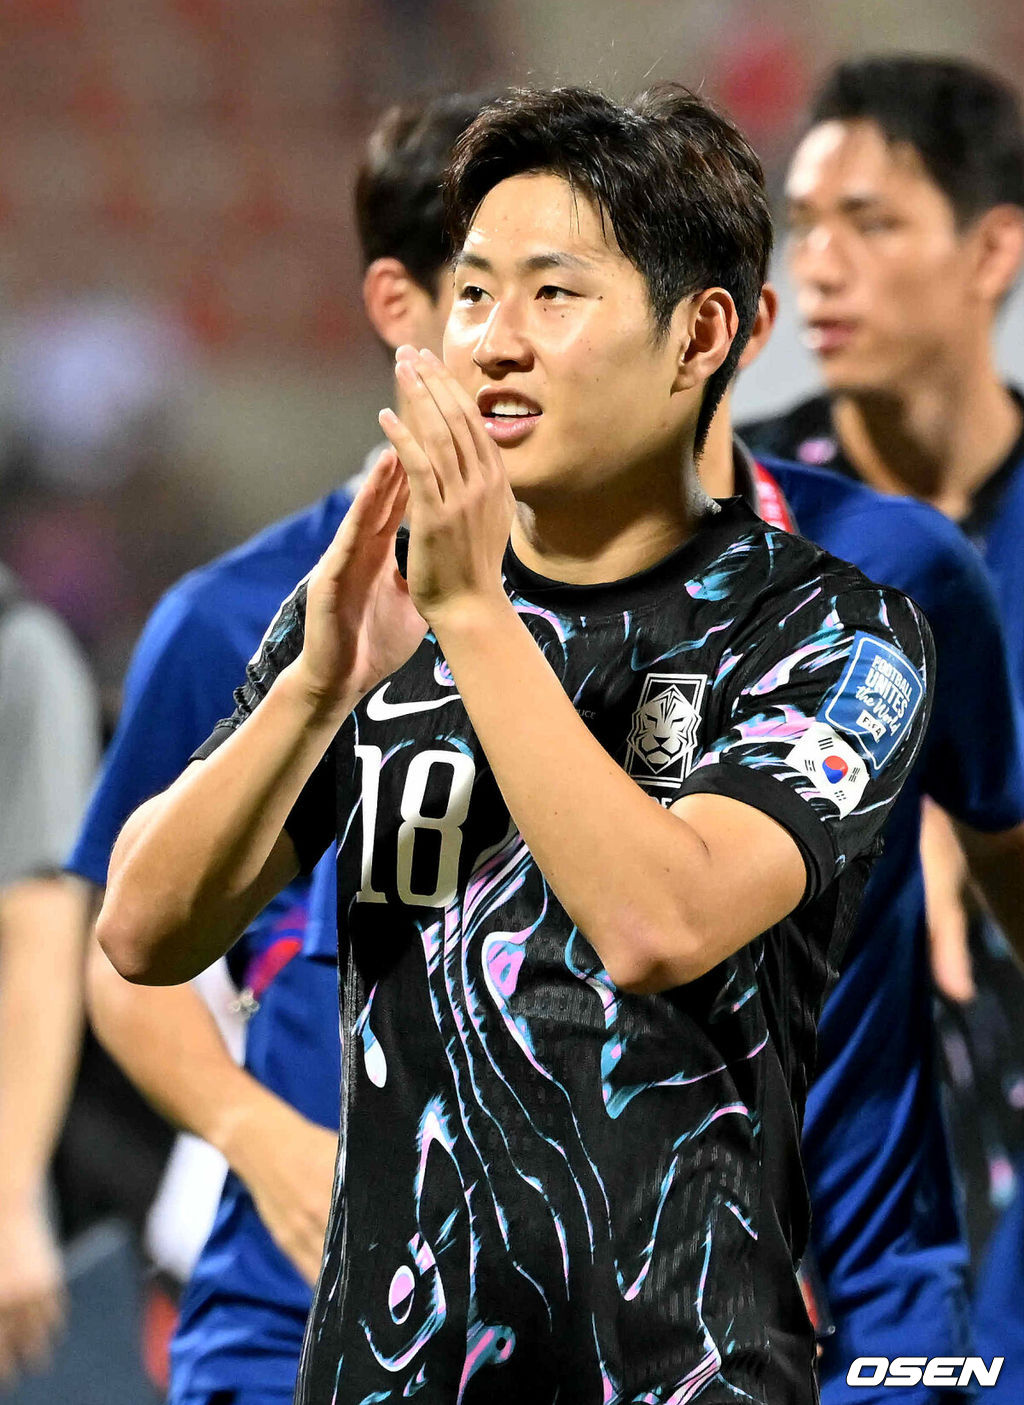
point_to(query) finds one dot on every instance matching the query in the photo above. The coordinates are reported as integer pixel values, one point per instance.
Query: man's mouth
(508, 416)
(826, 335)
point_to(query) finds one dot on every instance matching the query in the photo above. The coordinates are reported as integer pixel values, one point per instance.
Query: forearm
(42, 943)
(190, 869)
(620, 865)
(169, 1045)
(996, 865)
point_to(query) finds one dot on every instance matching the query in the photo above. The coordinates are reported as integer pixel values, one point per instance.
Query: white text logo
(919, 1370)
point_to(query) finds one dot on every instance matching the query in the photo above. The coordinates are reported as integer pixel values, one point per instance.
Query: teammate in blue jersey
(245, 1308)
(606, 795)
(906, 213)
(887, 1243)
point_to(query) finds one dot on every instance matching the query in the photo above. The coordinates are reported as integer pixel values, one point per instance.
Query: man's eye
(551, 293)
(471, 293)
(876, 224)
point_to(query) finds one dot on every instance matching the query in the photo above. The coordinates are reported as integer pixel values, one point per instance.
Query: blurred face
(552, 333)
(428, 317)
(883, 277)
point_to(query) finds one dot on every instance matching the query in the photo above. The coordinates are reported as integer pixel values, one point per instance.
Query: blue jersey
(885, 1229)
(246, 1306)
(996, 525)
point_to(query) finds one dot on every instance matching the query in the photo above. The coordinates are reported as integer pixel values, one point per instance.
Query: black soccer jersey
(550, 1189)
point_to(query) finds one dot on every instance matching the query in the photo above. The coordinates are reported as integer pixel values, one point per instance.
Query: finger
(368, 514)
(8, 1370)
(439, 386)
(31, 1333)
(366, 503)
(430, 429)
(398, 507)
(424, 485)
(395, 487)
(486, 448)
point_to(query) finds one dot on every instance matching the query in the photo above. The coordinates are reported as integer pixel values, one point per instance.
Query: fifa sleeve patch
(835, 768)
(876, 699)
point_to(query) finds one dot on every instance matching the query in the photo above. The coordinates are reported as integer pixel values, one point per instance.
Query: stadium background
(183, 355)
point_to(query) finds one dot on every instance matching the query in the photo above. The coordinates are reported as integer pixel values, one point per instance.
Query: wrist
(238, 1122)
(253, 1120)
(467, 615)
(318, 709)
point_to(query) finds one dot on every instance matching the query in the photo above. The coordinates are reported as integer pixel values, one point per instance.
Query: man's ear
(704, 327)
(767, 311)
(999, 237)
(389, 295)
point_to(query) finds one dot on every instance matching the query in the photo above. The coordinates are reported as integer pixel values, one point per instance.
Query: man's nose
(819, 258)
(502, 345)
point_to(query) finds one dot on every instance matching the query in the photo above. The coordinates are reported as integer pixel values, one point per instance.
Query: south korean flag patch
(835, 768)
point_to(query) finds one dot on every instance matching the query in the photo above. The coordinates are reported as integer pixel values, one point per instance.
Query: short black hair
(680, 185)
(963, 121)
(398, 204)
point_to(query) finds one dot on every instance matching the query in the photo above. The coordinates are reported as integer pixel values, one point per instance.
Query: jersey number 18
(448, 825)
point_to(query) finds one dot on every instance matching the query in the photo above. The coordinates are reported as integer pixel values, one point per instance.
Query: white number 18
(448, 825)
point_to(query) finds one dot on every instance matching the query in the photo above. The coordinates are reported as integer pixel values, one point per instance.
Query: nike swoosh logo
(377, 710)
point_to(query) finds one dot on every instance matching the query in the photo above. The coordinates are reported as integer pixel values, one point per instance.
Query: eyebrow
(848, 204)
(536, 263)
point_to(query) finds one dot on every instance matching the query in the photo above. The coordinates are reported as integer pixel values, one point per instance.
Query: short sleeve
(822, 708)
(973, 758)
(49, 741)
(311, 823)
(179, 682)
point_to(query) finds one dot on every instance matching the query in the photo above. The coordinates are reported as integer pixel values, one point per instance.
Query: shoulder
(803, 432)
(802, 596)
(897, 541)
(38, 650)
(227, 603)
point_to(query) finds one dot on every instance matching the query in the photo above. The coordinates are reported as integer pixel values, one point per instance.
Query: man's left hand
(460, 503)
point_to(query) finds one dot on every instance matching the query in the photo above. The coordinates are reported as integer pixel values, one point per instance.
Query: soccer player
(886, 1235)
(49, 740)
(606, 796)
(276, 1120)
(906, 209)
(906, 233)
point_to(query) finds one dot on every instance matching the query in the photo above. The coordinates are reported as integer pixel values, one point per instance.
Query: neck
(717, 462)
(612, 530)
(938, 439)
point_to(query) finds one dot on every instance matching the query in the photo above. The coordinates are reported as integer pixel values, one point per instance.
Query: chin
(525, 469)
(850, 376)
(532, 483)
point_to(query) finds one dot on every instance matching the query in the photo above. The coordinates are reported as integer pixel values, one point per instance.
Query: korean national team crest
(663, 738)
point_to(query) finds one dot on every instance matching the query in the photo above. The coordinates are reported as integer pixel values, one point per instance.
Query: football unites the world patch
(875, 700)
(663, 737)
(835, 768)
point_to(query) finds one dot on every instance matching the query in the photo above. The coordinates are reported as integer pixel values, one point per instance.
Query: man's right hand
(361, 624)
(287, 1164)
(31, 1288)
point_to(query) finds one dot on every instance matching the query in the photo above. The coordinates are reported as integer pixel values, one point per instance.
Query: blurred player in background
(276, 1119)
(49, 745)
(886, 1235)
(906, 218)
(571, 1162)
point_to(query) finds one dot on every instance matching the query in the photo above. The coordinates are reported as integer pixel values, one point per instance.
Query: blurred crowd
(201, 257)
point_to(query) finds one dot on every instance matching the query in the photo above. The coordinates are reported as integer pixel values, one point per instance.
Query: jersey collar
(714, 534)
